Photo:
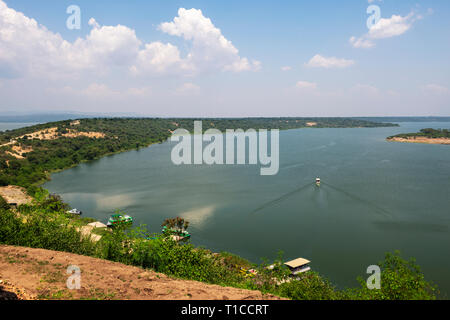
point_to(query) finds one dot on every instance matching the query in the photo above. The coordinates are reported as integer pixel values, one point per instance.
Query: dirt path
(27, 273)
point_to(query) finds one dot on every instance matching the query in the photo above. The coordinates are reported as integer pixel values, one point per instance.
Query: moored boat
(119, 220)
(176, 232)
(297, 266)
(75, 211)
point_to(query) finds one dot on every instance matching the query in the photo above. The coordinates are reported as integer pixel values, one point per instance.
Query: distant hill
(404, 119)
(42, 118)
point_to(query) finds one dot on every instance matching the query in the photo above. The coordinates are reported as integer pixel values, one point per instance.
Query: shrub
(3, 204)
(400, 280)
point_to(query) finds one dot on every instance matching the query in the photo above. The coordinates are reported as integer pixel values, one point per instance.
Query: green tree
(400, 280)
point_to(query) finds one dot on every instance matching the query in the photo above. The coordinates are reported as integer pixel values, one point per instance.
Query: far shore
(426, 140)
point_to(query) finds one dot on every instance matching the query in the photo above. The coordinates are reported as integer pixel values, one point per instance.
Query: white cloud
(361, 43)
(436, 89)
(188, 88)
(306, 85)
(139, 91)
(160, 58)
(286, 68)
(93, 23)
(98, 90)
(364, 89)
(319, 61)
(388, 28)
(29, 49)
(210, 49)
(385, 28)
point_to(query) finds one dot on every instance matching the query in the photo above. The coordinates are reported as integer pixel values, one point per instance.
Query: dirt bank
(42, 274)
(421, 140)
(15, 195)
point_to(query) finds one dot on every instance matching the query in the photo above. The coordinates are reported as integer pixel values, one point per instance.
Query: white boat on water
(318, 182)
(75, 211)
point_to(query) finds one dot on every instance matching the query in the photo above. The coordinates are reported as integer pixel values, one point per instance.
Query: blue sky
(252, 58)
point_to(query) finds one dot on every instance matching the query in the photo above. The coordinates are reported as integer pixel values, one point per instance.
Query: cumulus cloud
(210, 49)
(319, 61)
(385, 28)
(30, 49)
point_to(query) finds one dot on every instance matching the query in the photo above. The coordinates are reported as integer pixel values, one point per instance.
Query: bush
(400, 280)
(3, 204)
(41, 230)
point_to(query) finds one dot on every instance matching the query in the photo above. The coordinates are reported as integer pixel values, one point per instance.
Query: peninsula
(429, 136)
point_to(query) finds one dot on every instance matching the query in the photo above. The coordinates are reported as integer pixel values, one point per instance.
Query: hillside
(27, 273)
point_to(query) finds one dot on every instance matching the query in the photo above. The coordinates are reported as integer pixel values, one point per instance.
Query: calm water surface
(14, 125)
(377, 196)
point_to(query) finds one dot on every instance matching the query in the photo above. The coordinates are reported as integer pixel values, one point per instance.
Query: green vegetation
(427, 133)
(400, 279)
(3, 204)
(45, 224)
(121, 134)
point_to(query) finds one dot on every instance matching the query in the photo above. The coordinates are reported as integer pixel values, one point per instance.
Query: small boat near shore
(119, 220)
(75, 212)
(177, 234)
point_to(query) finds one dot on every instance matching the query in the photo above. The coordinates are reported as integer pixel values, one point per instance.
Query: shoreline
(422, 140)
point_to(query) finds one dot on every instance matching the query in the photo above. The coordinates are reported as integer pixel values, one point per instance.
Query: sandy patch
(19, 151)
(42, 274)
(311, 124)
(15, 155)
(50, 134)
(14, 194)
(74, 134)
(422, 140)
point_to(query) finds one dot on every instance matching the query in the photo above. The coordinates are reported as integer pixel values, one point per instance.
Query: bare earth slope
(27, 273)
(422, 140)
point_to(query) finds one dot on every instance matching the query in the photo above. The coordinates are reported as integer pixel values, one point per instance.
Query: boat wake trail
(352, 196)
(283, 197)
(383, 211)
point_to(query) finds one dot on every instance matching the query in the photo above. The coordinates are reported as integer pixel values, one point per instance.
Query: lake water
(377, 196)
(14, 125)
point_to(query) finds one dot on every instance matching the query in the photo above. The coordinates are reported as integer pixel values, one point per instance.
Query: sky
(228, 58)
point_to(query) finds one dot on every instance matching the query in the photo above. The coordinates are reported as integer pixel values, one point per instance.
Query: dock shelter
(299, 265)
